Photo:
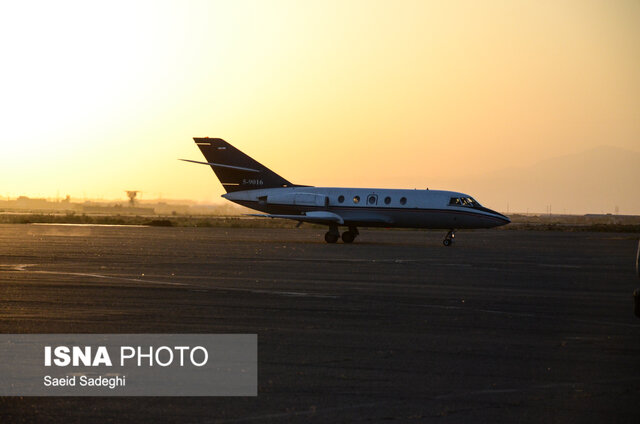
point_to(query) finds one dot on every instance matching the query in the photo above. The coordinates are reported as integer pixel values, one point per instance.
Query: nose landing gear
(448, 240)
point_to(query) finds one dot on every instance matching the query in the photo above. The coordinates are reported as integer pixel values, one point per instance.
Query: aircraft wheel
(330, 237)
(348, 237)
(448, 240)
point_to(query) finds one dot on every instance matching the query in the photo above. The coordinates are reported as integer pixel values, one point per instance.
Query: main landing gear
(333, 235)
(350, 235)
(448, 240)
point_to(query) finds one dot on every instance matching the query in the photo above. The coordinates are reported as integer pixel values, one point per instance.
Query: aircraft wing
(325, 217)
(318, 217)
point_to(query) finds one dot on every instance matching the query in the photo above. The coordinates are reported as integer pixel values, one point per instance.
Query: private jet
(251, 184)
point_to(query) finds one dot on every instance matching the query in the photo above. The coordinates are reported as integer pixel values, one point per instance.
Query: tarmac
(503, 326)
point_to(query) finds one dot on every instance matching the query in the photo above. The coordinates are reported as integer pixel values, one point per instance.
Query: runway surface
(505, 326)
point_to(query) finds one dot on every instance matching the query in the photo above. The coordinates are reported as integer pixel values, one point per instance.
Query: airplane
(251, 184)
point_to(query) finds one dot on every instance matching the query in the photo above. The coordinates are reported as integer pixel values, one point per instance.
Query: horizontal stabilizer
(220, 165)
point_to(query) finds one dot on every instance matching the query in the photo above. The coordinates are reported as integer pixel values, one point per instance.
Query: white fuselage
(373, 207)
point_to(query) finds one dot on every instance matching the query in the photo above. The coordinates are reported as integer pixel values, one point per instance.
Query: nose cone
(492, 218)
(501, 219)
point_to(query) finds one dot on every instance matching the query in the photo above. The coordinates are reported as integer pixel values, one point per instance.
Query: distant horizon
(581, 165)
(226, 203)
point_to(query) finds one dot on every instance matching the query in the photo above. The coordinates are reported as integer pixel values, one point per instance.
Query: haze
(97, 98)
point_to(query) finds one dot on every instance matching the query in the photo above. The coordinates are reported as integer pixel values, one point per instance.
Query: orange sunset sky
(519, 103)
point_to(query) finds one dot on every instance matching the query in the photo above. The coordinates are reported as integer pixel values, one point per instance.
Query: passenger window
(356, 199)
(387, 200)
(340, 198)
(403, 201)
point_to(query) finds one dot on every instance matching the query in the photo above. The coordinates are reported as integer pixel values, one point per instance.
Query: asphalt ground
(504, 326)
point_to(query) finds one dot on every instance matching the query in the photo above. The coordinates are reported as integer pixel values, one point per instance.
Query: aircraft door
(372, 200)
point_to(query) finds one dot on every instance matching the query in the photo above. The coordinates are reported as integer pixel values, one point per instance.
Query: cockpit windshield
(468, 202)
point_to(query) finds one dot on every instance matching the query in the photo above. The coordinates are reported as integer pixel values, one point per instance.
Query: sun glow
(101, 97)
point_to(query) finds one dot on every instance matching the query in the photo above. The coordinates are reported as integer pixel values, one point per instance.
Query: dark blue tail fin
(235, 170)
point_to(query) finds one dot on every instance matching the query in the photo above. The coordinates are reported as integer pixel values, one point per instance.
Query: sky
(101, 97)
